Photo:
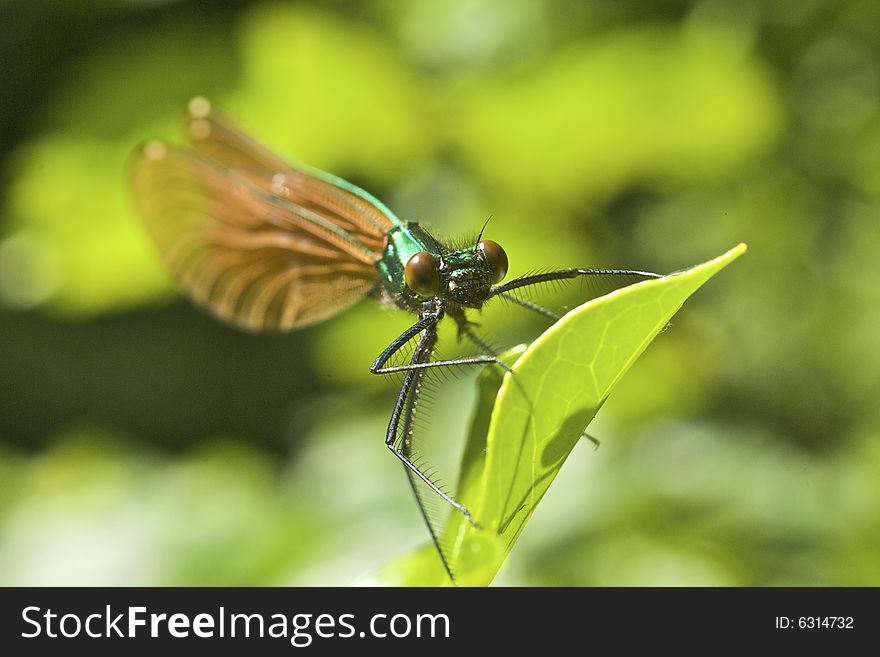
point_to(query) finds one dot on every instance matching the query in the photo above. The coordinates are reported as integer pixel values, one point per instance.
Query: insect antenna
(480, 235)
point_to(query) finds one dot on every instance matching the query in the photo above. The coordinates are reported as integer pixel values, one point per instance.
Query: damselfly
(273, 246)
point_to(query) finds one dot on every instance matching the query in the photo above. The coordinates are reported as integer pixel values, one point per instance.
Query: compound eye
(495, 257)
(422, 275)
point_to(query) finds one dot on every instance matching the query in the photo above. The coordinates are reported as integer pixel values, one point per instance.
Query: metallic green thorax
(465, 278)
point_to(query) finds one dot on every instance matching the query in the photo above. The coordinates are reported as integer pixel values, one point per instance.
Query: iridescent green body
(465, 277)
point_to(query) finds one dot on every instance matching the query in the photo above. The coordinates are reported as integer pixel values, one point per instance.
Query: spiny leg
(406, 446)
(427, 322)
(466, 329)
(401, 429)
(429, 319)
(408, 398)
(624, 275)
(549, 314)
(400, 426)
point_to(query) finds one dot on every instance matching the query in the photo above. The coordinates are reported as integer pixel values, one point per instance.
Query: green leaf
(528, 420)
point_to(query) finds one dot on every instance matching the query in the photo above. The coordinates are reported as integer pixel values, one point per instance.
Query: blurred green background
(141, 442)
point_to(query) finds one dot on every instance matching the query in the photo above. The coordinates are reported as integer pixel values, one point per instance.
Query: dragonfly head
(462, 276)
(417, 268)
(471, 272)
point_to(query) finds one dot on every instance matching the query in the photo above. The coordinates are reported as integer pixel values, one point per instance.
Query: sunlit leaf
(522, 435)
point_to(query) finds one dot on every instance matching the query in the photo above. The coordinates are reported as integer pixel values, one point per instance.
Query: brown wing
(256, 241)
(347, 206)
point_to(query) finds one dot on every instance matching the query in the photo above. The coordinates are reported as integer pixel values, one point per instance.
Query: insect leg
(407, 398)
(400, 341)
(398, 436)
(549, 314)
(625, 275)
(428, 322)
(412, 387)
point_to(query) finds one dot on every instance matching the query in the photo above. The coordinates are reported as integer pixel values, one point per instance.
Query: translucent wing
(260, 243)
(348, 206)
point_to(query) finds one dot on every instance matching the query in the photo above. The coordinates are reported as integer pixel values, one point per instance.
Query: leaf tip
(724, 259)
(739, 249)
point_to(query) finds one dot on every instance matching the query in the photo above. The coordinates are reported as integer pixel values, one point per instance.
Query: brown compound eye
(495, 257)
(422, 275)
